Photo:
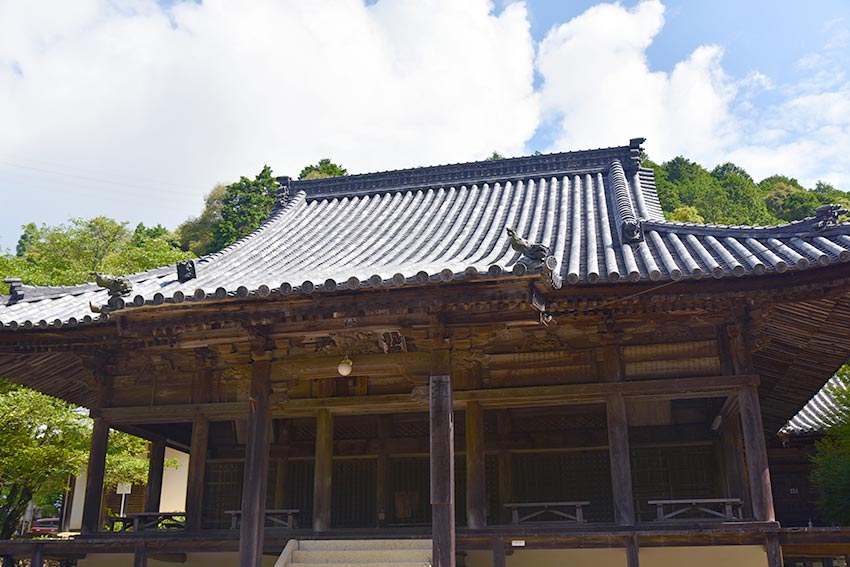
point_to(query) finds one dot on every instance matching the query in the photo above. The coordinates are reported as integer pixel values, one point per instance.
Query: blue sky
(136, 109)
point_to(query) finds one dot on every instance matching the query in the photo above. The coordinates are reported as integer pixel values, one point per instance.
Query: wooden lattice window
(353, 502)
(565, 476)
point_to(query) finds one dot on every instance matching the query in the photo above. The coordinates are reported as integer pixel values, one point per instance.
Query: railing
(142, 521)
(539, 510)
(709, 508)
(285, 518)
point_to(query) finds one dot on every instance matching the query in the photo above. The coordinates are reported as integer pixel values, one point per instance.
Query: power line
(95, 179)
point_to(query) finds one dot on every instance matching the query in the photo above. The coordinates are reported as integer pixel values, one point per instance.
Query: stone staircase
(356, 553)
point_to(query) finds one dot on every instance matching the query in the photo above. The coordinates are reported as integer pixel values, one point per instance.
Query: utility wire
(94, 179)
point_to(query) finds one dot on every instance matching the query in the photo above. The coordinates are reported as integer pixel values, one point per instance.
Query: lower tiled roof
(821, 412)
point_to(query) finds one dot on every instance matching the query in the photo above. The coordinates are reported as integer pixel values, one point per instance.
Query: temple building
(512, 363)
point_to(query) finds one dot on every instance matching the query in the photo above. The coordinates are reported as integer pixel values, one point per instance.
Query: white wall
(75, 520)
(175, 482)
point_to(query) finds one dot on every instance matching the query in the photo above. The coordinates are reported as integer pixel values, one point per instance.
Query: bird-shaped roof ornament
(533, 254)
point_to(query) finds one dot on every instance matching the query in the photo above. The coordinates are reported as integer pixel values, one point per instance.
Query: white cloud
(599, 90)
(164, 102)
(201, 93)
(599, 85)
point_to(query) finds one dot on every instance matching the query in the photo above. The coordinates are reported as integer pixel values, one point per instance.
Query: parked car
(45, 526)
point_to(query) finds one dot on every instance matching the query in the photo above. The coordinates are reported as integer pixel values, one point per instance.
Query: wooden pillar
(476, 486)
(323, 471)
(756, 453)
(255, 478)
(382, 472)
(281, 470)
(37, 557)
(94, 476)
(140, 555)
(499, 559)
(774, 550)
(632, 551)
(503, 426)
(621, 469)
(197, 471)
(734, 469)
(442, 472)
(156, 464)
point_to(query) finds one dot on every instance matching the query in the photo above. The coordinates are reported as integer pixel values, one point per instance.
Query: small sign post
(124, 488)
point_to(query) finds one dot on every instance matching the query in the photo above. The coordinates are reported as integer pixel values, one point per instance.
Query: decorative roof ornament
(284, 182)
(16, 288)
(632, 231)
(636, 151)
(533, 254)
(186, 271)
(827, 215)
(116, 285)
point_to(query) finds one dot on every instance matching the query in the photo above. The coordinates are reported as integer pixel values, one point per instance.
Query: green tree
(45, 440)
(832, 457)
(245, 205)
(725, 169)
(197, 234)
(789, 205)
(325, 168)
(28, 237)
(495, 156)
(143, 233)
(686, 214)
(67, 254)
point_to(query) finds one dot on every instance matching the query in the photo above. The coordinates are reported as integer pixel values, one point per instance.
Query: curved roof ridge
(806, 226)
(457, 174)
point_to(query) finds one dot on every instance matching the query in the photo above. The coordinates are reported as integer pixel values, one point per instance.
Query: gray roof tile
(447, 223)
(820, 413)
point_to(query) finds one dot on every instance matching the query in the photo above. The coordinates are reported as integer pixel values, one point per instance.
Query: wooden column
(323, 471)
(476, 486)
(197, 471)
(156, 464)
(503, 426)
(382, 472)
(632, 551)
(774, 550)
(621, 469)
(255, 478)
(37, 557)
(499, 559)
(733, 459)
(140, 555)
(756, 452)
(442, 472)
(281, 471)
(94, 476)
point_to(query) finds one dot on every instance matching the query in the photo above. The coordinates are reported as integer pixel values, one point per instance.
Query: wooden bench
(537, 509)
(711, 508)
(285, 518)
(158, 521)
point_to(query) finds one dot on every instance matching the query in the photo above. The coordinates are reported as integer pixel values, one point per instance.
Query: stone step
(373, 555)
(356, 544)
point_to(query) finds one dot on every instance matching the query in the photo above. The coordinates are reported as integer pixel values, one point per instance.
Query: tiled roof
(820, 413)
(596, 210)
